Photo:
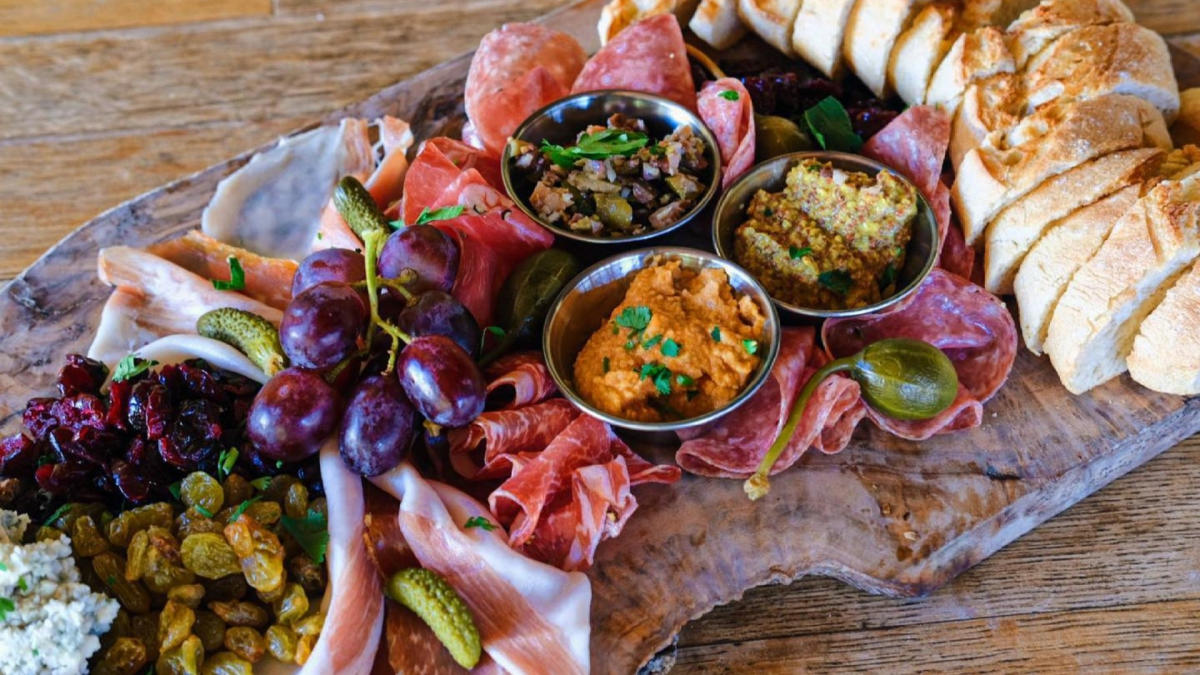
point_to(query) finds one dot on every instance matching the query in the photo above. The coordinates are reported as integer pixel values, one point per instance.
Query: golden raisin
(187, 594)
(202, 491)
(110, 569)
(192, 522)
(246, 643)
(281, 643)
(241, 613)
(311, 625)
(210, 629)
(182, 660)
(127, 656)
(209, 556)
(295, 504)
(292, 606)
(174, 625)
(120, 530)
(226, 663)
(304, 647)
(145, 629)
(259, 552)
(86, 539)
(237, 489)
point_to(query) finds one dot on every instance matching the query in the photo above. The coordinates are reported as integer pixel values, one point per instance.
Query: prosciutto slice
(732, 122)
(733, 446)
(649, 56)
(561, 502)
(437, 165)
(532, 618)
(518, 379)
(478, 274)
(517, 69)
(973, 328)
(498, 443)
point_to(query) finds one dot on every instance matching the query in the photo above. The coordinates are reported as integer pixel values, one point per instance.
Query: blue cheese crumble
(49, 621)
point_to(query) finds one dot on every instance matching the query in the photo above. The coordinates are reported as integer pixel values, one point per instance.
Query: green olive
(901, 378)
(776, 136)
(614, 211)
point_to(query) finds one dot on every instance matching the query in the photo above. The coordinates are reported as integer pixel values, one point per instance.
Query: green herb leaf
(830, 126)
(729, 95)
(130, 367)
(796, 253)
(6, 606)
(225, 462)
(496, 330)
(57, 512)
(716, 333)
(237, 513)
(838, 281)
(443, 213)
(606, 364)
(261, 484)
(616, 329)
(600, 145)
(684, 381)
(649, 344)
(480, 522)
(670, 347)
(3, 567)
(237, 277)
(659, 374)
(279, 464)
(635, 318)
(629, 345)
(22, 584)
(888, 277)
(751, 346)
(174, 489)
(203, 511)
(311, 532)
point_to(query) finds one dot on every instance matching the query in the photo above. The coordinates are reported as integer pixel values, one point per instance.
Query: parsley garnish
(670, 347)
(480, 522)
(684, 381)
(496, 330)
(837, 281)
(606, 364)
(279, 464)
(888, 277)
(225, 462)
(173, 488)
(796, 253)
(237, 277)
(6, 606)
(311, 532)
(130, 367)
(600, 145)
(629, 345)
(830, 126)
(261, 483)
(203, 511)
(57, 512)
(237, 513)
(716, 333)
(751, 346)
(22, 584)
(659, 374)
(649, 344)
(729, 95)
(634, 318)
(427, 216)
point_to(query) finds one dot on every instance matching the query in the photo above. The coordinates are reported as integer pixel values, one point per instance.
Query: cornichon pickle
(247, 332)
(182, 660)
(526, 296)
(358, 208)
(614, 211)
(209, 556)
(776, 136)
(121, 529)
(174, 625)
(226, 663)
(431, 598)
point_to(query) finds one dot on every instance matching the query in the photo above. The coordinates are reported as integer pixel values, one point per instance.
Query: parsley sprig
(599, 145)
(480, 522)
(427, 216)
(130, 367)
(838, 281)
(311, 532)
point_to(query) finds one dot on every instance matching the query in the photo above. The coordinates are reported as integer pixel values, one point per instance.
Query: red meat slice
(732, 122)
(496, 442)
(649, 56)
(517, 380)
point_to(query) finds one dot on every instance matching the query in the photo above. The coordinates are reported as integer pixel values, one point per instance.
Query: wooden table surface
(101, 100)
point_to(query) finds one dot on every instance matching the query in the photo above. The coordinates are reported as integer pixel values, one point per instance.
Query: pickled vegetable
(685, 187)
(185, 659)
(110, 569)
(776, 136)
(127, 656)
(246, 332)
(526, 295)
(246, 643)
(259, 552)
(436, 602)
(174, 625)
(210, 556)
(198, 489)
(614, 211)
(226, 663)
(281, 643)
(358, 208)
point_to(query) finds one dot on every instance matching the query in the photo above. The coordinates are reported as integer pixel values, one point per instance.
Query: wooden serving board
(885, 515)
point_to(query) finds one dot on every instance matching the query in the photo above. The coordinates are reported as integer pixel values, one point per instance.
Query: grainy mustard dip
(832, 239)
(680, 344)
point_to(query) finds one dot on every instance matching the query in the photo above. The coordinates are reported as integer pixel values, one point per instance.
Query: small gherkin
(431, 598)
(247, 332)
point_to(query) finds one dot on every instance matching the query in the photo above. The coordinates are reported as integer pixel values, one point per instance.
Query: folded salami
(733, 446)
(727, 110)
(972, 327)
(649, 56)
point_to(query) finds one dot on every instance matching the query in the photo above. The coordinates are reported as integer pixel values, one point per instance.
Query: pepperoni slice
(727, 110)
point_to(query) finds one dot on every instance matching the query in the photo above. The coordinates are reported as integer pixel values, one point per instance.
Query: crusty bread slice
(974, 56)
(978, 13)
(1053, 260)
(989, 105)
(1186, 128)
(1034, 29)
(817, 34)
(871, 34)
(618, 15)
(1092, 328)
(1057, 138)
(1015, 229)
(1122, 58)
(717, 23)
(920, 49)
(772, 20)
(1166, 351)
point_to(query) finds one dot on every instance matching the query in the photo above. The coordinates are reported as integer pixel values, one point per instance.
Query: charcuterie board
(885, 515)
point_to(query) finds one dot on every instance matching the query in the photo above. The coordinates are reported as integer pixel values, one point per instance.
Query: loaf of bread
(871, 33)
(618, 15)
(1166, 351)
(1186, 128)
(974, 56)
(717, 23)
(1029, 34)
(994, 104)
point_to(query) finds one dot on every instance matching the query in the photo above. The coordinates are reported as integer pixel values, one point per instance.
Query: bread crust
(871, 33)
(772, 20)
(717, 23)
(919, 50)
(1166, 351)
(818, 32)
(1038, 27)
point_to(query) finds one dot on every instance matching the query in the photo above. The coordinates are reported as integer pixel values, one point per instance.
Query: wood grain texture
(1117, 577)
(23, 17)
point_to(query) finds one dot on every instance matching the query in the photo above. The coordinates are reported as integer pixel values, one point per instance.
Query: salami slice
(973, 328)
(517, 380)
(494, 442)
(517, 69)
(726, 108)
(649, 56)
(733, 446)
(478, 277)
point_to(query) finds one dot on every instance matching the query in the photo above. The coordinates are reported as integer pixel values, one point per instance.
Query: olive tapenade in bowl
(828, 234)
(612, 166)
(661, 339)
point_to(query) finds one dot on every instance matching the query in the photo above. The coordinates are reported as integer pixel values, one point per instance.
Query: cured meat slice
(649, 56)
(732, 122)
(493, 217)
(268, 280)
(497, 443)
(973, 328)
(532, 618)
(561, 502)
(518, 379)
(438, 163)
(733, 446)
(478, 276)
(517, 69)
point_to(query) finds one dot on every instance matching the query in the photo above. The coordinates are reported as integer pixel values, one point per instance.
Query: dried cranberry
(63, 478)
(38, 417)
(118, 402)
(18, 455)
(150, 409)
(129, 482)
(78, 411)
(200, 382)
(138, 451)
(81, 375)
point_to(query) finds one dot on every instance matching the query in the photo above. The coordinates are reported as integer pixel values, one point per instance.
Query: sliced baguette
(717, 23)
(1029, 34)
(817, 34)
(920, 49)
(1093, 325)
(1017, 228)
(989, 105)
(1057, 138)
(871, 34)
(1122, 58)
(1053, 260)
(772, 20)
(618, 15)
(978, 13)
(1186, 128)
(974, 56)
(1166, 351)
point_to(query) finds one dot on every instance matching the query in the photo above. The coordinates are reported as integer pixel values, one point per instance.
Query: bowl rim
(862, 161)
(565, 382)
(706, 135)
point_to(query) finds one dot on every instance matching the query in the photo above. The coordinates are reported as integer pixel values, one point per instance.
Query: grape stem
(372, 241)
(396, 284)
(758, 485)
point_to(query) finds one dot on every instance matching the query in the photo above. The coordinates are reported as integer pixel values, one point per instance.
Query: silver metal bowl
(771, 175)
(560, 121)
(585, 304)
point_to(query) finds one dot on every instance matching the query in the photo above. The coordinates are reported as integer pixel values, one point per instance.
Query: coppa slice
(871, 34)
(772, 20)
(920, 49)
(1093, 326)
(1019, 226)
(268, 280)
(1052, 262)
(817, 34)
(1029, 34)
